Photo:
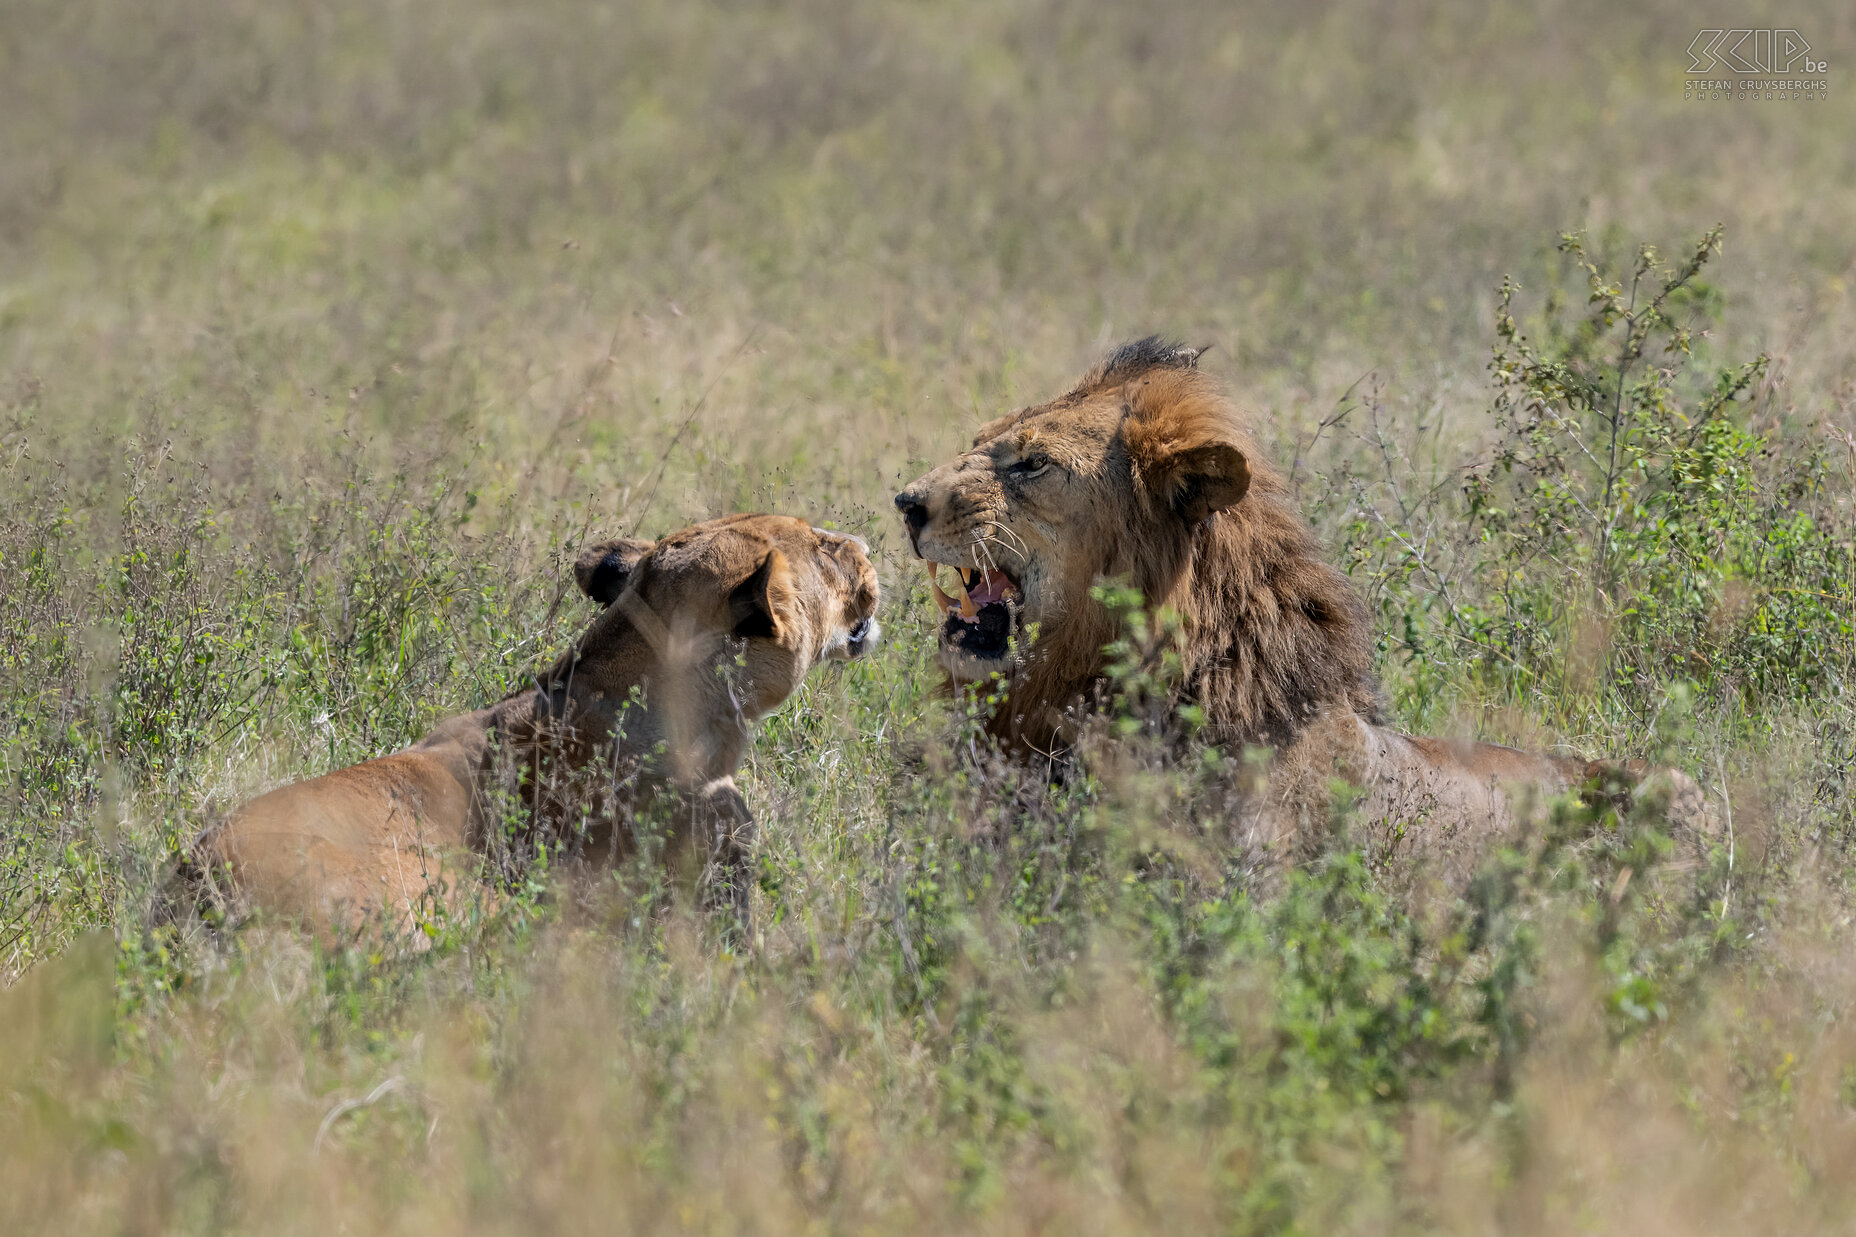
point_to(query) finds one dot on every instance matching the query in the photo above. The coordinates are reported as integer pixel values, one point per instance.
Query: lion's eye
(1029, 467)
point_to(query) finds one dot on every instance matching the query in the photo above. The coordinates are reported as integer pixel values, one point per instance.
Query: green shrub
(1630, 504)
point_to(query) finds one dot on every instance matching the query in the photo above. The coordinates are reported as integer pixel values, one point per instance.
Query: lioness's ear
(602, 571)
(755, 605)
(1201, 481)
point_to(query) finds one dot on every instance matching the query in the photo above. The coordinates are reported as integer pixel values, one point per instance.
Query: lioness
(705, 632)
(1145, 471)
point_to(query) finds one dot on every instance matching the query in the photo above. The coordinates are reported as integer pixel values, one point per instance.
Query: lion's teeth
(967, 608)
(941, 599)
(994, 587)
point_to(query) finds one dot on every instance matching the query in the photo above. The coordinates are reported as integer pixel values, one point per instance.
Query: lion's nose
(914, 512)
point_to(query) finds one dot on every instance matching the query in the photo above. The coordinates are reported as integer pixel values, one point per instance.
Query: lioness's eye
(1029, 467)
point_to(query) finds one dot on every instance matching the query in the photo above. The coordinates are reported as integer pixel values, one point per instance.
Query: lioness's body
(379, 835)
(706, 632)
(1145, 472)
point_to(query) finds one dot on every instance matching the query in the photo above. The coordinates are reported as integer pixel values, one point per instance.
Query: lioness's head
(1144, 471)
(1051, 498)
(716, 624)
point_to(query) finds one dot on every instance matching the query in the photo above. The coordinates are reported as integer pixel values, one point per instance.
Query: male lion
(1145, 471)
(705, 632)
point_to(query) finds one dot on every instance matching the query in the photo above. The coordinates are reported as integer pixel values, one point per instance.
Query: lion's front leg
(722, 838)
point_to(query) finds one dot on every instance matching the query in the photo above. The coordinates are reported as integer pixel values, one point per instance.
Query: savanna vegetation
(330, 331)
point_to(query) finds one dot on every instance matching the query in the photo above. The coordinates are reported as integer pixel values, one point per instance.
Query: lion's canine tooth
(941, 599)
(968, 610)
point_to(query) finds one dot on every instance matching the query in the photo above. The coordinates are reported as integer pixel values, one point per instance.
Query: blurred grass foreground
(329, 330)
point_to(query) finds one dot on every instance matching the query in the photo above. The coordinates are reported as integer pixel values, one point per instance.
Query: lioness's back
(381, 834)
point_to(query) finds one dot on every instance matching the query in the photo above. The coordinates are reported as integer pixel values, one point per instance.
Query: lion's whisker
(999, 532)
(984, 536)
(980, 550)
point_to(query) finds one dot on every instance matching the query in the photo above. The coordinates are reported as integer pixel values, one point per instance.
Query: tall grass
(329, 331)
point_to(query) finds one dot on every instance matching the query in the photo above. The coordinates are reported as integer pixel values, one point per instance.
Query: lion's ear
(602, 571)
(756, 604)
(1202, 481)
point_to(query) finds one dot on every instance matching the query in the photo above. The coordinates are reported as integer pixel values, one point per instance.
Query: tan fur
(705, 633)
(1154, 478)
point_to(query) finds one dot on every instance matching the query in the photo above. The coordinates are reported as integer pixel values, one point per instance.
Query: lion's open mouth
(981, 614)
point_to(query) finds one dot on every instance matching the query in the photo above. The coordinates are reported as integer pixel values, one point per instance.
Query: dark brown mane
(1133, 359)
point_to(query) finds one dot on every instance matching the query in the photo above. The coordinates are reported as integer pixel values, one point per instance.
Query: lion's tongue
(993, 586)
